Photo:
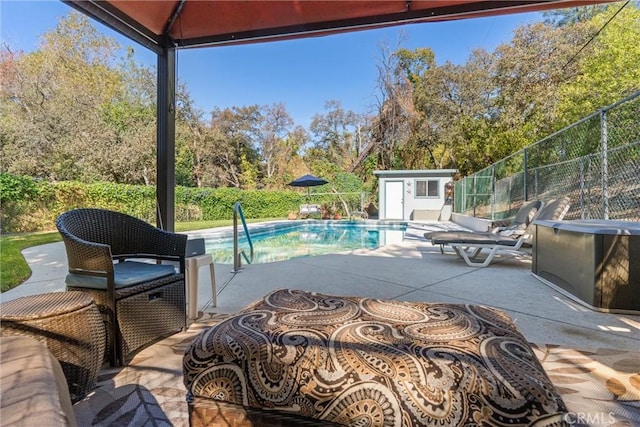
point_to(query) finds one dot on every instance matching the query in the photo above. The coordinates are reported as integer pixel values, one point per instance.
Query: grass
(14, 268)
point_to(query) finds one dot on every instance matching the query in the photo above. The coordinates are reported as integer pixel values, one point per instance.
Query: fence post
(475, 192)
(525, 171)
(493, 192)
(605, 164)
(582, 189)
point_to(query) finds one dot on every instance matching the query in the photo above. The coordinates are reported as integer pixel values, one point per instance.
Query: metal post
(493, 192)
(525, 171)
(475, 193)
(605, 164)
(236, 253)
(166, 139)
(582, 179)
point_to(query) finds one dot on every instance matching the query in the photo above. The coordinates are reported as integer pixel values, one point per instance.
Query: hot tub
(597, 262)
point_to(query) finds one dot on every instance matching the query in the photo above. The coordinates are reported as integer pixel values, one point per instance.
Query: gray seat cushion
(125, 274)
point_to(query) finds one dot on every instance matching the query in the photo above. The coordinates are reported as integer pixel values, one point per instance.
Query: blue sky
(304, 74)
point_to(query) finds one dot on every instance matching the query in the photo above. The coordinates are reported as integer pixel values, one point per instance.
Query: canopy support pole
(166, 138)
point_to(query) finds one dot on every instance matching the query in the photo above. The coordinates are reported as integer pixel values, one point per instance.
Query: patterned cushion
(368, 362)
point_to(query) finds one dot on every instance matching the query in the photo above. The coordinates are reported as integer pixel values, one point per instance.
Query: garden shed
(413, 194)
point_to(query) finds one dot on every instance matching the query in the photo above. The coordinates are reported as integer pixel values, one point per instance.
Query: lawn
(14, 269)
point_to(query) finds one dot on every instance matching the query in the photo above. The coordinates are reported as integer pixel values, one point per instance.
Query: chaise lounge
(468, 245)
(306, 210)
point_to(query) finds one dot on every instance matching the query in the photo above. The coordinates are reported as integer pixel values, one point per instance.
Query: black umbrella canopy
(308, 181)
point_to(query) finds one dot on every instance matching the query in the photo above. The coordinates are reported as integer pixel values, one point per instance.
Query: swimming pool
(282, 241)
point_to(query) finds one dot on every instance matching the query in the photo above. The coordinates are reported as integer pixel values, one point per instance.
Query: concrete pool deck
(411, 270)
(591, 357)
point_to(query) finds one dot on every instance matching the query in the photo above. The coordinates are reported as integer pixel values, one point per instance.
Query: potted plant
(327, 211)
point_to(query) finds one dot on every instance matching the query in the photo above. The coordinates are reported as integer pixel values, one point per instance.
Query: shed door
(394, 203)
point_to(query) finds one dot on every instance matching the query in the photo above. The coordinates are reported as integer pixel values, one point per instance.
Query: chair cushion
(526, 213)
(125, 274)
(471, 238)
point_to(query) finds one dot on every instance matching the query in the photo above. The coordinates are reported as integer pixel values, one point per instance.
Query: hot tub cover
(595, 226)
(369, 362)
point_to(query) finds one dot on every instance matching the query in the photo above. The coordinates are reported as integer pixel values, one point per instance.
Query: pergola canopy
(191, 23)
(166, 25)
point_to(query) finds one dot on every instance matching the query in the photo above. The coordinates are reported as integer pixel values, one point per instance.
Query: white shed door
(393, 205)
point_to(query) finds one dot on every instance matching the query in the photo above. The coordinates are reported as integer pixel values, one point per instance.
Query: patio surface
(410, 270)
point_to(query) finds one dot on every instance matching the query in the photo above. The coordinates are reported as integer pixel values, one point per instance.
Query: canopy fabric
(190, 23)
(308, 181)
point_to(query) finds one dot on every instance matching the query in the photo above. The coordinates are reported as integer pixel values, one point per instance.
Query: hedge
(33, 205)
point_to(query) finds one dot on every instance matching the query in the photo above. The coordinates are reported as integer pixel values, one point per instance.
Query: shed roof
(418, 173)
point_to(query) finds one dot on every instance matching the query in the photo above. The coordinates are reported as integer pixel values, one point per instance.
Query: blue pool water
(308, 239)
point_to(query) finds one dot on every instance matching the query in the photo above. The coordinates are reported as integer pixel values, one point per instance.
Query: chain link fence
(595, 161)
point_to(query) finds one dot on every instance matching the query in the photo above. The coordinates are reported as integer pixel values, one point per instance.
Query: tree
(572, 15)
(390, 129)
(193, 142)
(52, 122)
(274, 129)
(608, 66)
(72, 112)
(335, 134)
(231, 135)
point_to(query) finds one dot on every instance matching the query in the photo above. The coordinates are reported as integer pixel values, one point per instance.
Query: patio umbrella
(308, 181)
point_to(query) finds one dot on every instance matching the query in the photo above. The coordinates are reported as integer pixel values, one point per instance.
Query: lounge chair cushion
(471, 238)
(125, 274)
(526, 214)
(339, 359)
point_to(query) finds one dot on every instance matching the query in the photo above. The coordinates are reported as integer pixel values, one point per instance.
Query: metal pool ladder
(238, 253)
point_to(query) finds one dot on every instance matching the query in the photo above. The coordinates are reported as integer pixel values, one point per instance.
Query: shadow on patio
(593, 358)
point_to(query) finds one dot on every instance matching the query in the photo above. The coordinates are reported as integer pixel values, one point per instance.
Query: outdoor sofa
(33, 388)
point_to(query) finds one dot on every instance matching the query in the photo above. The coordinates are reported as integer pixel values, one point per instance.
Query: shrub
(31, 205)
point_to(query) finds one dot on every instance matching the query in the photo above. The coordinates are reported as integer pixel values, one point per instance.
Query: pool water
(308, 239)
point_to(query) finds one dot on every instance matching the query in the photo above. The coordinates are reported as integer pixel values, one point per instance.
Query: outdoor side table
(70, 325)
(193, 265)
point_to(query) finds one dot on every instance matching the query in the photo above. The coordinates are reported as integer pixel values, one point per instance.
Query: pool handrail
(237, 211)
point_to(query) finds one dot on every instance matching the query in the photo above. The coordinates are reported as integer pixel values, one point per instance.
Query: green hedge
(33, 205)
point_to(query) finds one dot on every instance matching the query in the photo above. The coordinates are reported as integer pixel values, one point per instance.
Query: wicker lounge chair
(468, 245)
(142, 301)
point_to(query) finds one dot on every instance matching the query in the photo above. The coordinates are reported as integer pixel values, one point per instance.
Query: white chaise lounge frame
(469, 250)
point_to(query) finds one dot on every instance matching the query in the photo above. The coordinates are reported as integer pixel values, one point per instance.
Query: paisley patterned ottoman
(300, 358)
